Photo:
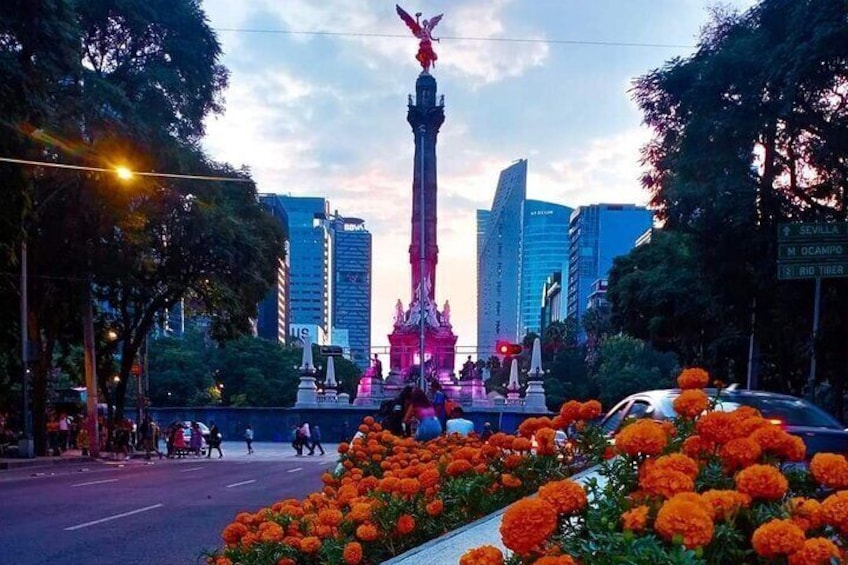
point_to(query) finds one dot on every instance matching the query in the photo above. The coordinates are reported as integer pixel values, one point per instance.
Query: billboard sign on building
(299, 332)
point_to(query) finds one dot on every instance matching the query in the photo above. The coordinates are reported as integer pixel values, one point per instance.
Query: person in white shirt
(457, 424)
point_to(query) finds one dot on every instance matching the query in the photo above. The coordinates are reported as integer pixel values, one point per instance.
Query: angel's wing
(410, 23)
(434, 21)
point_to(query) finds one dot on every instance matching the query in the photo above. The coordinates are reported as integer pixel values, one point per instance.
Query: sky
(324, 114)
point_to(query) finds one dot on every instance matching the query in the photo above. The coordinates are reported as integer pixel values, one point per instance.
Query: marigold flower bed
(712, 487)
(393, 493)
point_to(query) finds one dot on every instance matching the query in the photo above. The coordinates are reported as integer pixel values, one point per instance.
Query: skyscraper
(543, 249)
(351, 244)
(310, 284)
(273, 311)
(598, 234)
(498, 260)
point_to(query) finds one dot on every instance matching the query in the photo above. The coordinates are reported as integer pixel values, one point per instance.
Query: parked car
(204, 431)
(820, 431)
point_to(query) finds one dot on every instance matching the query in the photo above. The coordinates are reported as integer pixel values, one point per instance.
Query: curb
(10, 465)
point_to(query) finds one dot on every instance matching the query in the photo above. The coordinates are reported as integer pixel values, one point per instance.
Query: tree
(628, 365)
(749, 132)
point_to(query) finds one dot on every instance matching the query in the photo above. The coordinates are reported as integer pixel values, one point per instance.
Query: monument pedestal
(534, 398)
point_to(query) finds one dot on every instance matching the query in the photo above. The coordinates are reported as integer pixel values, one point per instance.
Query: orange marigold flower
(556, 560)
(233, 533)
(716, 427)
(459, 467)
(697, 447)
(693, 378)
(570, 412)
(527, 524)
(691, 403)
(513, 460)
(589, 410)
(271, 532)
(330, 517)
(806, 513)
(774, 440)
(528, 427)
(409, 487)
(666, 482)
(485, 555)
(521, 444)
(796, 450)
(762, 482)
(310, 544)
(429, 478)
(286, 561)
(643, 437)
(834, 511)
(566, 496)
(830, 470)
(776, 538)
(546, 441)
(635, 519)
(436, 507)
(816, 551)
(678, 462)
(352, 553)
(689, 520)
(405, 524)
(510, 481)
(367, 532)
(724, 504)
(368, 420)
(740, 453)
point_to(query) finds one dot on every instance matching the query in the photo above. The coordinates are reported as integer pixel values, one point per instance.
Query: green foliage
(628, 365)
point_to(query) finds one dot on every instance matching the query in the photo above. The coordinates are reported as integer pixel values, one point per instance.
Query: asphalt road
(158, 513)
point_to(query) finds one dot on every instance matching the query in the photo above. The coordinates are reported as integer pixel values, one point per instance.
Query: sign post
(812, 251)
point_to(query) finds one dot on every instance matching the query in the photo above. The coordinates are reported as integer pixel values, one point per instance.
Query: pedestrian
(53, 435)
(457, 424)
(215, 439)
(196, 440)
(315, 433)
(306, 437)
(296, 440)
(487, 431)
(422, 413)
(178, 444)
(439, 403)
(64, 429)
(148, 437)
(377, 366)
(248, 439)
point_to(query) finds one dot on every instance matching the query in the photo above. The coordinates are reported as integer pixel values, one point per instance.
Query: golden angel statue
(423, 30)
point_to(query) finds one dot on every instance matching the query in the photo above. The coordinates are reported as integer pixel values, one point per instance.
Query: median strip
(115, 517)
(95, 482)
(241, 483)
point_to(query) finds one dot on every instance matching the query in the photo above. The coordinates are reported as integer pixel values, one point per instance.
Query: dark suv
(820, 431)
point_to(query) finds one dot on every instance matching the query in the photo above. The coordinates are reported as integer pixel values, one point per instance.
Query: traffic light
(509, 349)
(330, 351)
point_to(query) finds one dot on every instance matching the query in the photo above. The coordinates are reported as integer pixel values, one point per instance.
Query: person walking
(148, 437)
(215, 439)
(315, 433)
(439, 403)
(248, 439)
(196, 439)
(297, 440)
(64, 429)
(306, 437)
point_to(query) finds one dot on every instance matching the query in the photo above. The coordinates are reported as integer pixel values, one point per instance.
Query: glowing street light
(123, 173)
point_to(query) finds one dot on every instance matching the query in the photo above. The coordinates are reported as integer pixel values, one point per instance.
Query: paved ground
(153, 512)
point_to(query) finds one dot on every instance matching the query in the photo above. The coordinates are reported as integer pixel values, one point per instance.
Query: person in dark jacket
(315, 437)
(215, 439)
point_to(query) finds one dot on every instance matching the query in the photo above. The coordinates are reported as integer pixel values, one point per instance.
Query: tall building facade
(543, 249)
(598, 234)
(272, 321)
(498, 260)
(351, 288)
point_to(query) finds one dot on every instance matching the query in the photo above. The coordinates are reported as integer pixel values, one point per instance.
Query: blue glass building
(598, 234)
(543, 249)
(498, 259)
(351, 288)
(273, 311)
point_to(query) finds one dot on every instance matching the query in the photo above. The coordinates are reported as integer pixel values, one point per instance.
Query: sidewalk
(69, 457)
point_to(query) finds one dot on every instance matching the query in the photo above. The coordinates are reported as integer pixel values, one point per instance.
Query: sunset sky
(323, 114)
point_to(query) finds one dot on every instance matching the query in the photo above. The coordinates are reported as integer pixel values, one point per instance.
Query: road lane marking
(191, 469)
(241, 483)
(295, 470)
(96, 482)
(115, 517)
